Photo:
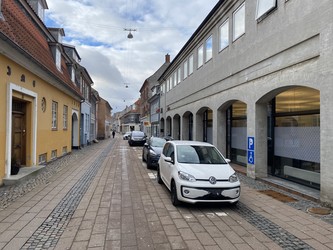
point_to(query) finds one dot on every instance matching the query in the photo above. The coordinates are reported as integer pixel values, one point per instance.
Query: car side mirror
(146, 144)
(227, 160)
(169, 159)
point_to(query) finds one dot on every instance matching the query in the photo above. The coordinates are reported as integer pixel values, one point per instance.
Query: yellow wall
(47, 139)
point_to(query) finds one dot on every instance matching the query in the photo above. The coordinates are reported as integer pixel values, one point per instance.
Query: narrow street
(104, 197)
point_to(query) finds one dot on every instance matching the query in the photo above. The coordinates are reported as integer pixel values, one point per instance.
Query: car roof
(196, 143)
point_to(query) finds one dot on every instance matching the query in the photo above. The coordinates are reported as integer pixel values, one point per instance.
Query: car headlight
(233, 178)
(186, 177)
(152, 152)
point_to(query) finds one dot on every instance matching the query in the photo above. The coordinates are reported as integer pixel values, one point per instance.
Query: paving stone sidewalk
(103, 197)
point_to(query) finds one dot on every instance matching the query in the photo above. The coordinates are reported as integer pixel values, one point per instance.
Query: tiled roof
(22, 31)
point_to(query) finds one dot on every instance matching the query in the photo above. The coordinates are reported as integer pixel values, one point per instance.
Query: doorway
(19, 133)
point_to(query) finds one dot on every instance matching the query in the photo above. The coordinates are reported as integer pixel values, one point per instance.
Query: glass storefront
(237, 133)
(295, 130)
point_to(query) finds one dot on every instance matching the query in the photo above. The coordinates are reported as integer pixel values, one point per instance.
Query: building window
(264, 7)
(42, 158)
(190, 65)
(65, 117)
(58, 59)
(224, 35)
(200, 56)
(185, 69)
(209, 48)
(53, 154)
(64, 150)
(1, 16)
(239, 22)
(178, 75)
(175, 78)
(54, 115)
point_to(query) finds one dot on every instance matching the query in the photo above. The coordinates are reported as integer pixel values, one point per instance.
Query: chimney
(167, 58)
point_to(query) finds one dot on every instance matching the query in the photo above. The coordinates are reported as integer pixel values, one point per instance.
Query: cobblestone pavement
(104, 197)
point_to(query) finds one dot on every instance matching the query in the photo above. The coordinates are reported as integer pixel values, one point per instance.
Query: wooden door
(18, 138)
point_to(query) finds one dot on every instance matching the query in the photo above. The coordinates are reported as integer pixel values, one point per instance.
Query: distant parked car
(137, 138)
(197, 172)
(125, 136)
(151, 151)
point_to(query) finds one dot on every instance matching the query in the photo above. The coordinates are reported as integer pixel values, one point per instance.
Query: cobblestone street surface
(104, 197)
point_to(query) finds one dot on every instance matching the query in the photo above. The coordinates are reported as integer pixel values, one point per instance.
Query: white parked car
(197, 172)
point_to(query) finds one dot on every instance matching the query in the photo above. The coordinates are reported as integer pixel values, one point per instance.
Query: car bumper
(132, 142)
(194, 194)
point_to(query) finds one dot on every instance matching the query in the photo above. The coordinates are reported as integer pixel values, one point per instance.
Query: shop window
(264, 7)
(239, 22)
(224, 35)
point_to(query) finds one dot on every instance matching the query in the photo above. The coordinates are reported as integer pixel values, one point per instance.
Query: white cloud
(96, 29)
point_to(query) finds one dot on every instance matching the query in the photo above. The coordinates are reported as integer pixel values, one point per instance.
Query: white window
(224, 35)
(190, 65)
(58, 59)
(185, 69)
(264, 6)
(1, 16)
(209, 48)
(200, 56)
(178, 75)
(54, 115)
(175, 78)
(239, 22)
(65, 117)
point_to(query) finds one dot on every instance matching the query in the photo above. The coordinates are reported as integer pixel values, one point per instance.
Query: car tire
(148, 162)
(158, 177)
(143, 158)
(174, 197)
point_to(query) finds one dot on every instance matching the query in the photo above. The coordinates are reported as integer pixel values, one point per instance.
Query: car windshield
(137, 133)
(199, 155)
(157, 142)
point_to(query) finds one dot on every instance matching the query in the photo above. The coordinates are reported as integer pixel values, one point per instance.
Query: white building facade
(255, 79)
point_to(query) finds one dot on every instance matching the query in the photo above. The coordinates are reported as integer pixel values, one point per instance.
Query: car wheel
(143, 158)
(174, 198)
(158, 177)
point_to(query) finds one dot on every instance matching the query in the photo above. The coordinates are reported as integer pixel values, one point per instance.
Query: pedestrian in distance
(113, 133)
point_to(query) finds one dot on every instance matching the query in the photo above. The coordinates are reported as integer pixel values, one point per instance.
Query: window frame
(236, 20)
(65, 117)
(191, 64)
(200, 53)
(179, 76)
(207, 50)
(271, 5)
(223, 45)
(54, 115)
(185, 69)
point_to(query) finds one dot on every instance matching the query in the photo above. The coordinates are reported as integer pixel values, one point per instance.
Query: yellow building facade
(39, 95)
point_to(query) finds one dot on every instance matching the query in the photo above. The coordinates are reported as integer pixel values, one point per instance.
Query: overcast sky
(96, 29)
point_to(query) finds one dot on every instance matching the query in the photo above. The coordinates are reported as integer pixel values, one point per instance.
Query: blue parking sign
(250, 143)
(250, 157)
(250, 150)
